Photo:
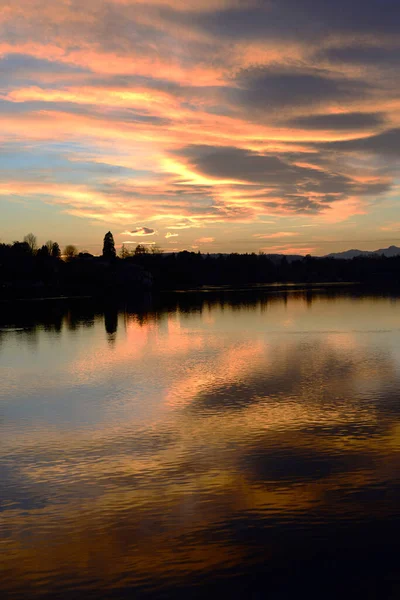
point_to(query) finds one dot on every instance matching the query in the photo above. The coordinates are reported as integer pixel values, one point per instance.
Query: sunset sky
(213, 125)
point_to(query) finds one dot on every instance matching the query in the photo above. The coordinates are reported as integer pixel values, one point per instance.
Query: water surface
(242, 446)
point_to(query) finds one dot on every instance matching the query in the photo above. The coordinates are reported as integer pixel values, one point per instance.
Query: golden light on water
(154, 449)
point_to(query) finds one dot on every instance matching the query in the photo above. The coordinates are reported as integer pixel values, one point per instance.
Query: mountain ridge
(353, 253)
(346, 254)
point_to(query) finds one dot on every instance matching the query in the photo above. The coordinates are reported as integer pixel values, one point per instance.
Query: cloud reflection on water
(201, 435)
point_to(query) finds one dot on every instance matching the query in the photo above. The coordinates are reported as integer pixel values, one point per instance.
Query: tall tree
(109, 246)
(55, 250)
(31, 240)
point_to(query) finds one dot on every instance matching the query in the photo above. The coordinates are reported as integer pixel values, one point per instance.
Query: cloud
(189, 115)
(261, 88)
(139, 231)
(366, 54)
(205, 240)
(184, 224)
(391, 227)
(278, 234)
(384, 144)
(339, 121)
(140, 244)
(170, 235)
(285, 249)
(310, 20)
(282, 184)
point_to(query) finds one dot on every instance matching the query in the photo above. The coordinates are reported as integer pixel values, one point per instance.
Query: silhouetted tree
(43, 252)
(70, 252)
(55, 250)
(141, 249)
(124, 252)
(31, 240)
(21, 248)
(109, 246)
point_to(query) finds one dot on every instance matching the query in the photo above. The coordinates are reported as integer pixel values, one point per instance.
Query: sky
(211, 125)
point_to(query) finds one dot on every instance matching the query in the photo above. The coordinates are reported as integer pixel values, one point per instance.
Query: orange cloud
(391, 227)
(282, 249)
(205, 240)
(130, 116)
(139, 243)
(278, 234)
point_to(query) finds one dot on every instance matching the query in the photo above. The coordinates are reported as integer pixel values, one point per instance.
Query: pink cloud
(128, 107)
(139, 243)
(278, 234)
(284, 249)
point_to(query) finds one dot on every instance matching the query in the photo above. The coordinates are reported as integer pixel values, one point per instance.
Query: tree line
(30, 270)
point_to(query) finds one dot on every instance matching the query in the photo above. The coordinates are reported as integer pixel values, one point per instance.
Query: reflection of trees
(54, 316)
(55, 323)
(111, 319)
(196, 302)
(80, 315)
(27, 317)
(309, 298)
(49, 316)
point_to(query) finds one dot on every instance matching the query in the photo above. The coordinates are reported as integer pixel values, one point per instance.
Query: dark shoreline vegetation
(28, 272)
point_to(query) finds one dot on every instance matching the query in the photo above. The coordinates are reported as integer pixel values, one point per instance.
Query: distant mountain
(391, 251)
(348, 254)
